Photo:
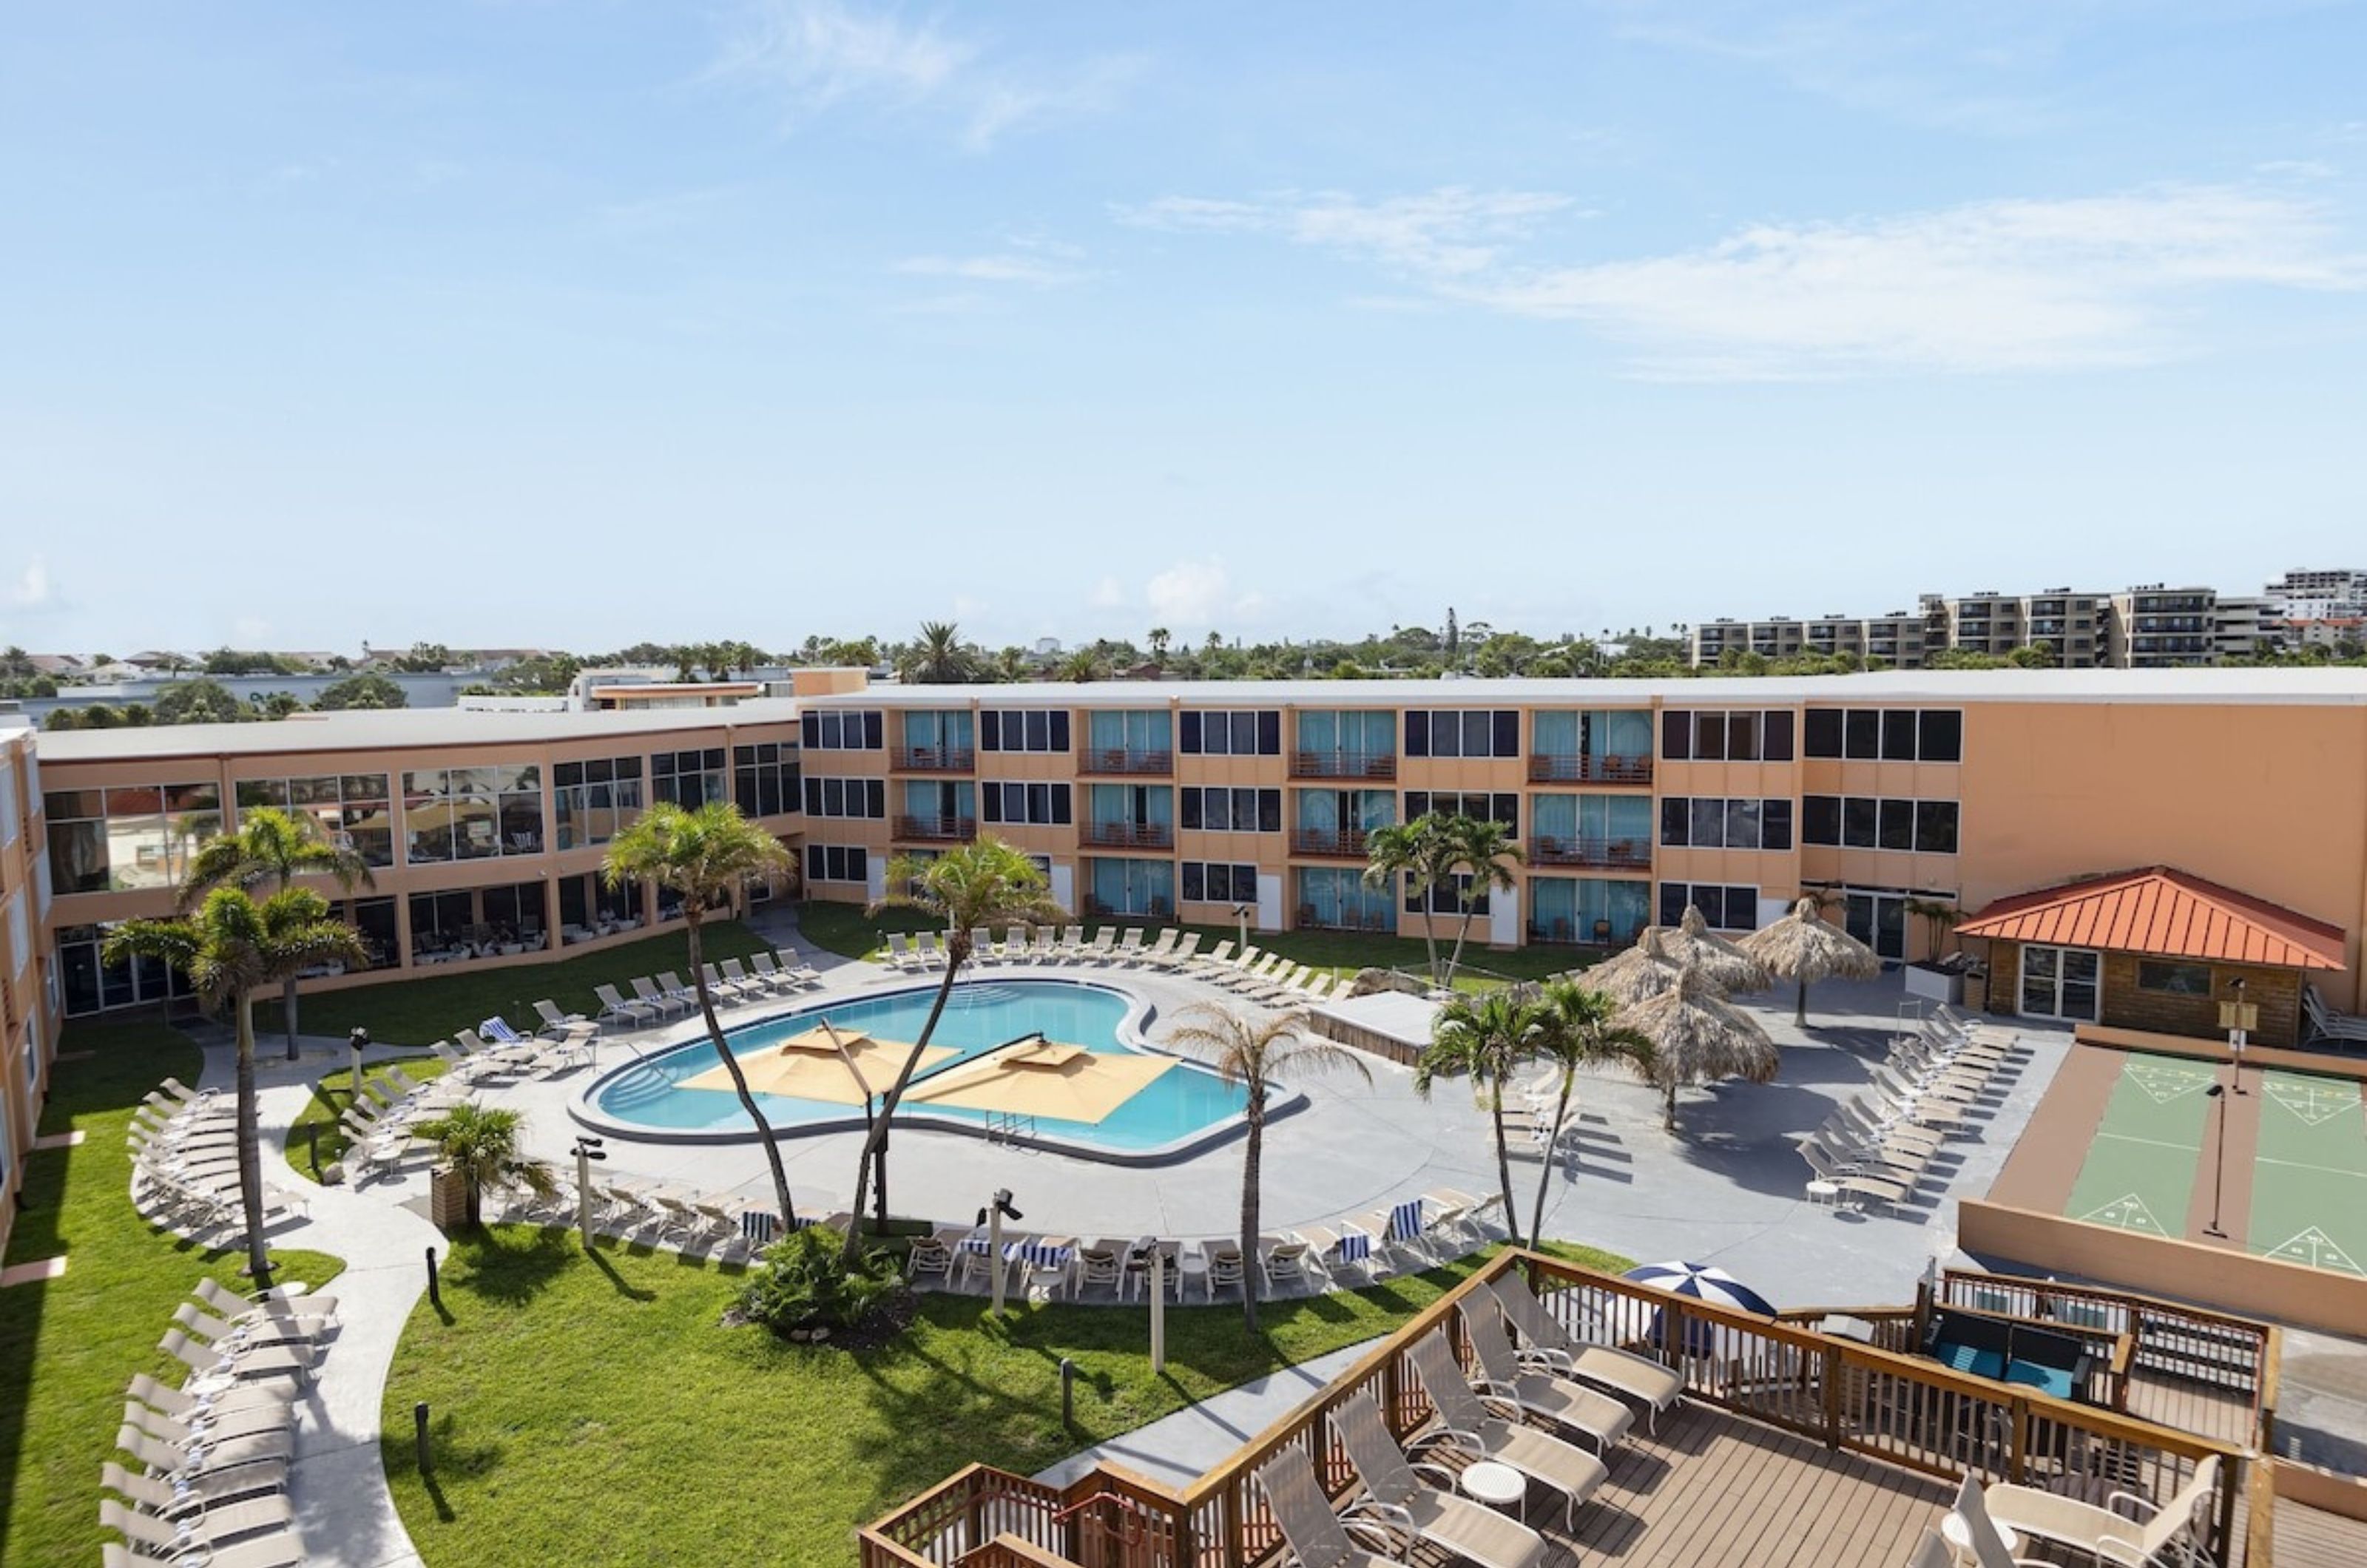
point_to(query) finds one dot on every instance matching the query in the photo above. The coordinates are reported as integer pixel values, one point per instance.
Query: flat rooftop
(385, 730)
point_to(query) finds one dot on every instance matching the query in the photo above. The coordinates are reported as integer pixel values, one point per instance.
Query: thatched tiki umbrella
(1699, 1037)
(1802, 947)
(1644, 970)
(1721, 963)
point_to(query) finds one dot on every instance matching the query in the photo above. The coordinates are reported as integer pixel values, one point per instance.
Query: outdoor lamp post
(991, 1217)
(2238, 1018)
(358, 1041)
(587, 1149)
(2219, 1162)
(1241, 924)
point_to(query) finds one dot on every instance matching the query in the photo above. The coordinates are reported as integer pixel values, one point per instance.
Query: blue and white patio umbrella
(1701, 1282)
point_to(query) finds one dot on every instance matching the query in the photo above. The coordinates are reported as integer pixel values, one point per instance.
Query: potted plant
(1936, 977)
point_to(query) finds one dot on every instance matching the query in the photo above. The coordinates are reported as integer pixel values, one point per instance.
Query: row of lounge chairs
(1878, 1146)
(183, 1147)
(665, 998)
(1549, 1407)
(381, 1122)
(204, 1468)
(663, 1215)
(1259, 975)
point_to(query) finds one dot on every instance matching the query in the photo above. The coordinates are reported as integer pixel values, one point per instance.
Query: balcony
(937, 830)
(1338, 843)
(1124, 761)
(1342, 766)
(1127, 835)
(1610, 855)
(1544, 768)
(934, 760)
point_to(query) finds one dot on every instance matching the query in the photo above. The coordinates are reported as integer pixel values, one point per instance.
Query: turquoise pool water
(1177, 1105)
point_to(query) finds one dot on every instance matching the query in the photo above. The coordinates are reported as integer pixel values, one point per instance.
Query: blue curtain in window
(1557, 735)
(1556, 815)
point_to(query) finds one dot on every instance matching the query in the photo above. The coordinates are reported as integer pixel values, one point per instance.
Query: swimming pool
(1182, 1110)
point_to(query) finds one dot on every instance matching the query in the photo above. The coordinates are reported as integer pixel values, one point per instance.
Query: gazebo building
(2157, 950)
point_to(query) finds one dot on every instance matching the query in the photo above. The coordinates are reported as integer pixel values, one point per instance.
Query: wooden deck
(1715, 1489)
(2312, 1538)
(2220, 1414)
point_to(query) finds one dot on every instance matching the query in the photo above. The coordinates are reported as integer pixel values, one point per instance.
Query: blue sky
(572, 324)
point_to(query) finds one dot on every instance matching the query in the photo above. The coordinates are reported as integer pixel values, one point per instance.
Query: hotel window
(1864, 822)
(1216, 810)
(1447, 896)
(88, 986)
(1221, 732)
(1724, 909)
(1023, 729)
(374, 918)
(847, 797)
(132, 837)
(1886, 734)
(352, 811)
(1213, 882)
(837, 862)
(471, 813)
(1463, 732)
(765, 778)
(1745, 735)
(591, 802)
(688, 779)
(1027, 805)
(2174, 979)
(1504, 808)
(835, 730)
(1715, 823)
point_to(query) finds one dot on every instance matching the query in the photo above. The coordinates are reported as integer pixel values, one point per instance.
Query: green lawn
(68, 1345)
(846, 928)
(593, 1411)
(422, 1011)
(311, 1152)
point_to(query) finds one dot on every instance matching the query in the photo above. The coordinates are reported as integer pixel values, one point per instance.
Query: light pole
(991, 1217)
(587, 1149)
(2219, 1162)
(2238, 1018)
(1242, 923)
(357, 1040)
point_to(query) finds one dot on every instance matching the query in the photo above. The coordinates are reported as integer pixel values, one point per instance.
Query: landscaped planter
(1935, 984)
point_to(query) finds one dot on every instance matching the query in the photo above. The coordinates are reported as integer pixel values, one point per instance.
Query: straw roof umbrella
(1802, 947)
(1721, 963)
(1699, 1037)
(1644, 970)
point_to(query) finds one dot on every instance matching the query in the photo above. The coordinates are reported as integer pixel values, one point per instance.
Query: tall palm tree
(939, 659)
(1253, 1052)
(983, 883)
(1485, 852)
(706, 856)
(1485, 1037)
(231, 947)
(1580, 1030)
(1418, 853)
(272, 847)
(482, 1144)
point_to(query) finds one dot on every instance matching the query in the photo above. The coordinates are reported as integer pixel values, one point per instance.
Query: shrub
(806, 1285)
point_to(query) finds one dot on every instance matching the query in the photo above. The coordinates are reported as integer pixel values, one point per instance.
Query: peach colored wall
(25, 1021)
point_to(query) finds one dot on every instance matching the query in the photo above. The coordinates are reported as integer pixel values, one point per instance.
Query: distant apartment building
(2319, 595)
(1897, 638)
(2155, 626)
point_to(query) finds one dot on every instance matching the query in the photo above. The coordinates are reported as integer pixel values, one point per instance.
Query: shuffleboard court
(2140, 1169)
(2309, 1179)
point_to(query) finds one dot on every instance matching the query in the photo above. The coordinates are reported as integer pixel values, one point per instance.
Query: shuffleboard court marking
(2311, 1104)
(2315, 1248)
(2155, 1142)
(2166, 1081)
(2129, 1212)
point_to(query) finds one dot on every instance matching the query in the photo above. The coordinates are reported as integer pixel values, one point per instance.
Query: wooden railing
(1344, 842)
(1126, 761)
(1613, 853)
(1344, 765)
(1547, 768)
(1127, 835)
(934, 760)
(1860, 1399)
(937, 830)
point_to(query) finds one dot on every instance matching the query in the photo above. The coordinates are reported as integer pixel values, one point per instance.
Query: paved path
(1182, 1447)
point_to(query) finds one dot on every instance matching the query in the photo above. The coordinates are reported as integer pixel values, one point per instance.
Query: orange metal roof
(2166, 913)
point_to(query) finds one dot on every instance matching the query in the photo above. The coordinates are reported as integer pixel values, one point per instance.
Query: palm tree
(1939, 917)
(939, 659)
(1801, 947)
(272, 847)
(483, 1146)
(1158, 638)
(1580, 1031)
(1485, 852)
(983, 883)
(1417, 852)
(1082, 666)
(230, 947)
(1253, 1052)
(1699, 1037)
(704, 855)
(1485, 1037)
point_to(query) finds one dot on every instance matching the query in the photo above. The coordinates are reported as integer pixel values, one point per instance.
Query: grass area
(311, 1152)
(590, 1410)
(422, 1011)
(846, 928)
(68, 1345)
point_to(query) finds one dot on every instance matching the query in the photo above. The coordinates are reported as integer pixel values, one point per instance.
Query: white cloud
(1109, 593)
(821, 55)
(1996, 286)
(1021, 269)
(250, 631)
(33, 589)
(1191, 594)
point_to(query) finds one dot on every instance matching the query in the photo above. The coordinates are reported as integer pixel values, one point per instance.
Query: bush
(803, 1285)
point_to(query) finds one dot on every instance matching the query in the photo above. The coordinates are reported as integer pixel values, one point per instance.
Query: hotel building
(29, 1014)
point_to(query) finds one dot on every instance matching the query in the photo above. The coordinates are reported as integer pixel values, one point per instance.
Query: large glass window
(1716, 823)
(847, 797)
(352, 811)
(764, 777)
(1338, 898)
(1133, 887)
(1890, 734)
(1502, 808)
(1231, 810)
(837, 730)
(1217, 882)
(1027, 805)
(128, 837)
(689, 779)
(1602, 911)
(1742, 734)
(1225, 732)
(1463, 732)
(471, 813)
(87, 985)
(1119, 738)
(830, 863)
(1023, 729)
(1723, 907)
(1864, 822)
(594, 801)
(589, 908)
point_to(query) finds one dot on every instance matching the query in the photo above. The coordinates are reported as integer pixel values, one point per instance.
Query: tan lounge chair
(1312, 1531)
(1430, 1510)
(2106, 1533)
(1639, 1378)
(178, 1540)
(1468, 1424)
(1604, 1420)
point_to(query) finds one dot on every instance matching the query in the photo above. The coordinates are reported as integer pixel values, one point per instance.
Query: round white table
(1498, 1486)
(1959, 1537)
(1824, 1194)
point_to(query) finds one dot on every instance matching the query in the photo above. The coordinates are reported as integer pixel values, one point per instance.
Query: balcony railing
(935, 760)
(1548, 768)
(1344, 765)
(937, 830)
(1127, 835)
(1369, 922)
(1125, 759)
(1346, 843)
(1626, 855)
